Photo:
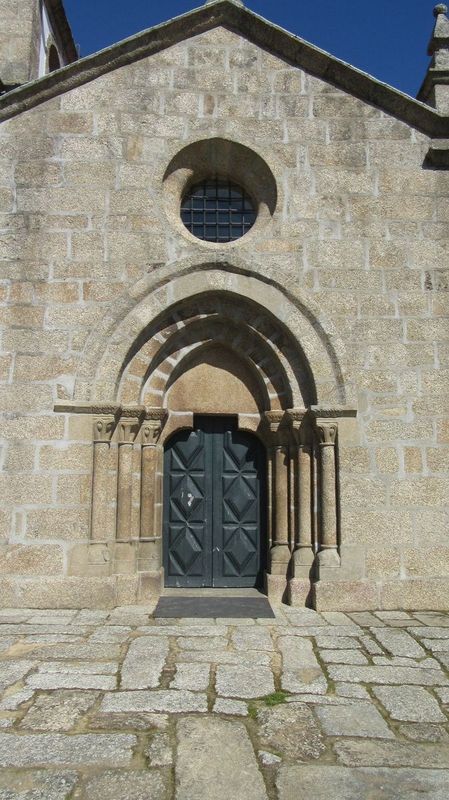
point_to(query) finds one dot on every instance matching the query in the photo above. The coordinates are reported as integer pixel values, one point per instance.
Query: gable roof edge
(256, 29)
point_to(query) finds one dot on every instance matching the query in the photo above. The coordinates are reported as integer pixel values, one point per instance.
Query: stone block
(299, 592)
(346, 595)
(58, 523)
(57, 592)
(31, 559)
(416, 594)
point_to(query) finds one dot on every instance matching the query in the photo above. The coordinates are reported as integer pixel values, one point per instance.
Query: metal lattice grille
(217, 211)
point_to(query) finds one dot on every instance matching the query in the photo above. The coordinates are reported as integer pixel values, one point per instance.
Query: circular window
(217, 211)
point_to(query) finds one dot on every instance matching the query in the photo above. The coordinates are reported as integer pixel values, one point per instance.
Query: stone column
(151, 489)
(299, 584)
(128, 428)
(327, 435)
(279, 457)
(151, 504)
(103, 428)
(303, 555)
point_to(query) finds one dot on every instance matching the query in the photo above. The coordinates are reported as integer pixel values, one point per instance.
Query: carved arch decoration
(312, 343)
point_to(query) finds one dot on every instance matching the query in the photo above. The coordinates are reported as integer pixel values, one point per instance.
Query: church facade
(224, 353)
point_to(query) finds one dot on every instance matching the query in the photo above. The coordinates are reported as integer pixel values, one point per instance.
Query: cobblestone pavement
(99, 705)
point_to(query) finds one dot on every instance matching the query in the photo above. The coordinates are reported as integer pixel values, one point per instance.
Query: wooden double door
(214, 515)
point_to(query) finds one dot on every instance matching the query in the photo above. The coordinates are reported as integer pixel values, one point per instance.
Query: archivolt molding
(126, 330)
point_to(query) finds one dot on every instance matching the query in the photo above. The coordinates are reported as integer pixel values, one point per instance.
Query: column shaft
(328, 495)
(304, 554)
(280, 551)
(124, 491)
(102, 525)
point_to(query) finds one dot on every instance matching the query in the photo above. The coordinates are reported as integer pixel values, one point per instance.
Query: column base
(276, 588)
(151, 585)
(303, 557)
(327, 559)
(300, 593)
(280, 557)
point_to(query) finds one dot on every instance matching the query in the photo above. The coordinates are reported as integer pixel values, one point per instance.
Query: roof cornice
(256, 29)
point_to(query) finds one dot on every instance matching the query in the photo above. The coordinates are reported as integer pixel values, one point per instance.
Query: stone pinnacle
(441, 8)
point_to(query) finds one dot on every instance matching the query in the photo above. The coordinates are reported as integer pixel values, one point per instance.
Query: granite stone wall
(359, 230)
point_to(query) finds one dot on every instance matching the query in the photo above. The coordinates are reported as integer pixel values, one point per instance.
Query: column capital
(129, 423)
(327, 432)
(152, 425)
(103, 428)
(296, 416)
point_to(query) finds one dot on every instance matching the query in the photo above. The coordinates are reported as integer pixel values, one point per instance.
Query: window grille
(217, 211)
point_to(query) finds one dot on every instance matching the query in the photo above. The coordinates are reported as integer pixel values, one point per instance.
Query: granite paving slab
(339, 783)
(119, 704)
(215, 760)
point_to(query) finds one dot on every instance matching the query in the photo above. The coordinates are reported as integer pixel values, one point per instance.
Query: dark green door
(213, 515)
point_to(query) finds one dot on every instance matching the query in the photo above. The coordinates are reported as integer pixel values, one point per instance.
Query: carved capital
(295, 416)
(103, 428)
(153, 424)
(274, 420)
(326, 432)
(128, 428)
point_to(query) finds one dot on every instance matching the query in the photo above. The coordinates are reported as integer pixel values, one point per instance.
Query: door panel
(187, 530)
(213, 515)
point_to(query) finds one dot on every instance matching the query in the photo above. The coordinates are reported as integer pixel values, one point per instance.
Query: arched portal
(218, 343)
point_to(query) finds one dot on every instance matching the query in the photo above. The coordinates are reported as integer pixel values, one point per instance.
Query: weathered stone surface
(399, 643)
(56, 680)
(216, 760)
(160, 751)
(297, 653)
(37, 785)
(132, 785)
(253, 638)
(392, 754)
(424, 732)
(304, 681)
(12, 671)
(391, 675)
(244, 682)
(57, 749)
(78, 652)
(329, 642)
(224, 706)
(357, 719)
(168, 700)
(269, 759)
(191, 676)
(58, 711)
(144, 663)
(13, 701)
(292, 731)
(339, 783)
(409, 703)
(343, 657)
(220, 656)
(127, 721)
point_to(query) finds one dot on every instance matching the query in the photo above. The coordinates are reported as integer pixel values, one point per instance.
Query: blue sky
(387, 39)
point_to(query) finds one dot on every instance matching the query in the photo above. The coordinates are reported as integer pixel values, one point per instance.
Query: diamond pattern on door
(213, 520)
